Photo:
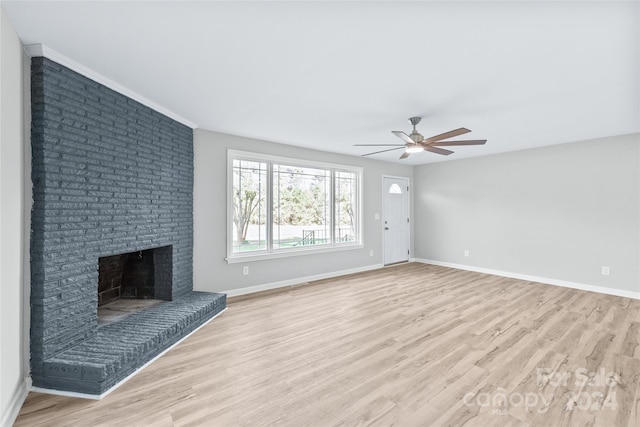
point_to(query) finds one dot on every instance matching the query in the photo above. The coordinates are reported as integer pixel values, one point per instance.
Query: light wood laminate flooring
(408, 345)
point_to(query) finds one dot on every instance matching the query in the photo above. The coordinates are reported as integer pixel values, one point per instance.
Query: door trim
(382, 195)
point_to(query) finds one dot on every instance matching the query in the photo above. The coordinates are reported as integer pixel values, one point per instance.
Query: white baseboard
(19, 395)
(298, 281)
(100, 396)
(545, 280)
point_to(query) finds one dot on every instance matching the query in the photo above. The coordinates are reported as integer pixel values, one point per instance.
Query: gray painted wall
(558, 212)
(13, 370)
(211, 271)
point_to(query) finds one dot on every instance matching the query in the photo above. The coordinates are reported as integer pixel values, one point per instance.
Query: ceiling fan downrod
(415, 135)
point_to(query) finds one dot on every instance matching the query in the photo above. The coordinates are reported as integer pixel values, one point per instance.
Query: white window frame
(269, 252)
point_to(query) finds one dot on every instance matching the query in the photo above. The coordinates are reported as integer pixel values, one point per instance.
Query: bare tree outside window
(249, 196)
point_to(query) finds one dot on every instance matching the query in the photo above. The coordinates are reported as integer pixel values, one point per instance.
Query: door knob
(386, 228)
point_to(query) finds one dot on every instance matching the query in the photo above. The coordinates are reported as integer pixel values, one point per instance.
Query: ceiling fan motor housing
(416, 136)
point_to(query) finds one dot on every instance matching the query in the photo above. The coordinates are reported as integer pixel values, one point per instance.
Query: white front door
(395, 200)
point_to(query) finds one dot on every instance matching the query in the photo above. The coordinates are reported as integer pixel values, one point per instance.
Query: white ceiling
(327, 75)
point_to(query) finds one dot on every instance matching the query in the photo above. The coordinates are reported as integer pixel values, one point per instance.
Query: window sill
(238, 258)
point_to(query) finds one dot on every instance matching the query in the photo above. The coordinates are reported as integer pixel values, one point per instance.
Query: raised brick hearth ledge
(120, 348)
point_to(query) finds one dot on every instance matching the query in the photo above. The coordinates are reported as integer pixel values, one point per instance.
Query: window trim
(271, 253)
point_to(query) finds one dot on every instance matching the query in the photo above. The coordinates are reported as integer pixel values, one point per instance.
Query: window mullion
(332, 206)
(269, 207)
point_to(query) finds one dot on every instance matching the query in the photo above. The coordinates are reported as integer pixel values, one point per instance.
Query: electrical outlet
(371, 252)
(466, 252)
(605, 270)
(245, 270)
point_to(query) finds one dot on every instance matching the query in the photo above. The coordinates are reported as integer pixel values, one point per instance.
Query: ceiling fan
(416, 143)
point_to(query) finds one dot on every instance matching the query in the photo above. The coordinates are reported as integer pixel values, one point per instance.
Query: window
(346, 196)
(281, 206)
(395, 189)
(249, 205)
(301, 206)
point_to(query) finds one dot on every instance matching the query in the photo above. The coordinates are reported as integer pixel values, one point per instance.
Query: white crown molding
(545, 280)
(42, 50)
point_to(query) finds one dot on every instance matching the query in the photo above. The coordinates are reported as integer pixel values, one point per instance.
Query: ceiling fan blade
(390, 149)
(405, 155)
(454, 143)
(378, 145)
(403, 136)
(437, 150)
(446, 135)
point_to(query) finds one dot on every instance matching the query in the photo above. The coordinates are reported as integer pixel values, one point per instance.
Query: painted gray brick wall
(109, 176)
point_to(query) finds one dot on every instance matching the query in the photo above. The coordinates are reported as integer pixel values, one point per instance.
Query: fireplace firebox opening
(125, 279)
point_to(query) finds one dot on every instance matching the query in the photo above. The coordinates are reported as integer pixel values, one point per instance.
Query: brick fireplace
(112, 180)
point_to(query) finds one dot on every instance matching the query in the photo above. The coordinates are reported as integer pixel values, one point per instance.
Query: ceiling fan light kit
(415, 142)
(414, 149)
